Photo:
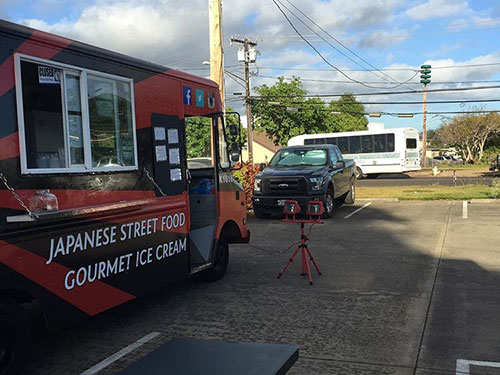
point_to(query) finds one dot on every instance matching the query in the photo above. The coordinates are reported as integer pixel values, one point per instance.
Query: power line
(326, 41)
(319, 53)
(339, 42)
(383, 69)
(460, 101)
(385, 93)
(384, 113)
(337, 81)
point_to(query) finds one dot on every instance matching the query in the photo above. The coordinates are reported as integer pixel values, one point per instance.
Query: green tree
(277, 112)
(284, 112)
(469, 133)
(198, 134)
(351, 115)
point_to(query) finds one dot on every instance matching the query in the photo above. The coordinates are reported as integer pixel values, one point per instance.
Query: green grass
(430, 192)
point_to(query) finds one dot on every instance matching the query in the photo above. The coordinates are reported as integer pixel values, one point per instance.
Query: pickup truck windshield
(292, 158)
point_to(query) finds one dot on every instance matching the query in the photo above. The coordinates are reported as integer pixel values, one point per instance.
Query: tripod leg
(313, 261)
(305, 252)
(289, 262)
(304, 261)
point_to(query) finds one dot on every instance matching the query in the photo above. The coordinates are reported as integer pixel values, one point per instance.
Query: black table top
(211, 357)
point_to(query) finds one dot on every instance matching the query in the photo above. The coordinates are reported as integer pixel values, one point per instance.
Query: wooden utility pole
(216, 51)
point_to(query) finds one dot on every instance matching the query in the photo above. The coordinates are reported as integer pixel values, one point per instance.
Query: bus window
(319, 141)
(308, 141)
(390, 142)
(380, 143)
(411, 143)
(199, 142)
(331, 141)
(367, 143)
(343, 143)
(355, 145)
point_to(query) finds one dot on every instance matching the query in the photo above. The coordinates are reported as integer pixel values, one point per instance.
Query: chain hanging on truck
(17, 197)
(154, 182)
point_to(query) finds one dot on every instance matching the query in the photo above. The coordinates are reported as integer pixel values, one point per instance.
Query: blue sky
(389, 34)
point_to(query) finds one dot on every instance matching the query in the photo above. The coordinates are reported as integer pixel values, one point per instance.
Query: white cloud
(384, 38)
(445, 49)
(146, 30)
(437, 9)
(475, 22)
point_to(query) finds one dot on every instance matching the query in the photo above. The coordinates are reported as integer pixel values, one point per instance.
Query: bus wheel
(359, 174)
(350, 196)
(221, 259)
(16, 336)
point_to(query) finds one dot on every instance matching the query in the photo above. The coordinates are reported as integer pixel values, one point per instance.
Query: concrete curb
(389, 200)
(485, 200)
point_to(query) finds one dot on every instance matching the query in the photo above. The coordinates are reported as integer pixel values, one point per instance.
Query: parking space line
(464, 209)
(119, 354)
(356, 211)
(463, 365)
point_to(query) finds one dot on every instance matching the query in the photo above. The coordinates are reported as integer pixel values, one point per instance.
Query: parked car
(304, 173)
(495, 165)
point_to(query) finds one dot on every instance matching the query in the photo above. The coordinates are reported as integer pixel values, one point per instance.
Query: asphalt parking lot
(406, 288)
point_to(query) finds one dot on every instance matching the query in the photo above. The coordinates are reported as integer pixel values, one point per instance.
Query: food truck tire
(221, 259)
(16, 336)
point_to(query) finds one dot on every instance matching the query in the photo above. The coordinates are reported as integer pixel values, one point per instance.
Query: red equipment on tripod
(314, 210)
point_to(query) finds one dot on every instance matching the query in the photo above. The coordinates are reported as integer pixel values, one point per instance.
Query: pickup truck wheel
(221, 260)
(329, 202)
(16, 336)
(351, 194)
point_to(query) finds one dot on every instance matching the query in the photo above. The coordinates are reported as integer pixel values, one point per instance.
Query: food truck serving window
(72, 119)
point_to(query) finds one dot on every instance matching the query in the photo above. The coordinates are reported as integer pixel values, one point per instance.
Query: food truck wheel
(16, 336)
(221, 259)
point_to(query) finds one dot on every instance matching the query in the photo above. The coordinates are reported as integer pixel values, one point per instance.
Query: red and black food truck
(99, 202)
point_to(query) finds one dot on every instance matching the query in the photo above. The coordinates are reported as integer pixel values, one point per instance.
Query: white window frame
(82, 73)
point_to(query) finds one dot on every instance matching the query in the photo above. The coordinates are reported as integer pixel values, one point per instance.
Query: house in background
(263, 148)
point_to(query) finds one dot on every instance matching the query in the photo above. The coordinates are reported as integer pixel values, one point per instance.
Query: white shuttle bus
(376, 150)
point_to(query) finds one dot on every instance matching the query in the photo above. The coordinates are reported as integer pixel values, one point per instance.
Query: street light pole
(424, 128)
(425, 78)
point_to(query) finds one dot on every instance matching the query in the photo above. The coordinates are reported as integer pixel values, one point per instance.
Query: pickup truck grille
(285, 186)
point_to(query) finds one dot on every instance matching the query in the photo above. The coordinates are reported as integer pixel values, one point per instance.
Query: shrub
(495, 189)
(246, 176)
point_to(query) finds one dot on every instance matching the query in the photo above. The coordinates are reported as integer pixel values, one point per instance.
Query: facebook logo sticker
(187, 94)
(200, 98)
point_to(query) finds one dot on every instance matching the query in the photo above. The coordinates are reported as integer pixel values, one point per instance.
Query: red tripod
(314, 210)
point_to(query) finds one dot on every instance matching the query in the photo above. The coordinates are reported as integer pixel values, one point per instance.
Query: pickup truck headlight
(257, 185)
(316, 183)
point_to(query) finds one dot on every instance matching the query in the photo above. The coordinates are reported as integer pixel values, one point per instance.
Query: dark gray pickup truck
(304, 173)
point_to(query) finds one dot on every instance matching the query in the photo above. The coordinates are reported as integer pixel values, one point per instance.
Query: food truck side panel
(91, 259)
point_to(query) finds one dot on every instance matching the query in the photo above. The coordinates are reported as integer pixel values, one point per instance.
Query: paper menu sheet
(173, 136)
(175, 174)
(159, 133)
(161, 153)
(174, 156)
